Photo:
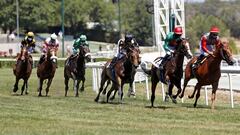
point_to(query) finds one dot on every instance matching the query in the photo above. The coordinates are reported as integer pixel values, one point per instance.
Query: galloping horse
(209, 72)
(173, 73)
(120, 72)
(76, 69)
(23, 69)
(129, 73)
(46, 70)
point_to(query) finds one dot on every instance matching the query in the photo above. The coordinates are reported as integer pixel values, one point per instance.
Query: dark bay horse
(132, 56)
(75, 69)
(129, 73)
(22, 69)
(173, 73)
(46, 70)
(209, 72)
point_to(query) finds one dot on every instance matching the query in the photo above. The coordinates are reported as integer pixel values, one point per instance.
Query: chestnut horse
(118, 75)
(75, 69)
(22, 69)
(173, 73)
(209, 72)
(46, 70)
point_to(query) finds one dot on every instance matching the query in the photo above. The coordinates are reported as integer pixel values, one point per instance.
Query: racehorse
(118, 75)
(75, 69)
(47, 69)
(129, 73)
(173, 73)
(22, 69)
(209, 72)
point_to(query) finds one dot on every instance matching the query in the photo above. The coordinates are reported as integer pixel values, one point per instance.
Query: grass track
(59, 115)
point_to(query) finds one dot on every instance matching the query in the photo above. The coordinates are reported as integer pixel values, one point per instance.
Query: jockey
(122, 48)
(29, 42)
(50, 42)
(81, 41)
(206, 45)
(170, 45)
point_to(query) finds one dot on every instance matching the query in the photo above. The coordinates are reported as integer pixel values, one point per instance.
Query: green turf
(59, 115)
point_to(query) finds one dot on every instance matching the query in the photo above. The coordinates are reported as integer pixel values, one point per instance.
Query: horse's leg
(177, 83)
(154, 85)
(15, 88)
(130, 90)
(186, 80)
(114, 94)
(214, 89)
(195, 89)
(66, 85)
(23, 86)
(48, 85)
(83, 81)
(120, 92)
(76, 87)
(110, 91)
(26, 91)
(170, 87)
(40, 87)
(197, 95)
(101, 88)
(105, 89)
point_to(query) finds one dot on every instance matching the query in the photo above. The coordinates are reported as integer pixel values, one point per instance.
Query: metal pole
(17, 9)
(62, 12)
(231, 91)
(119, 18)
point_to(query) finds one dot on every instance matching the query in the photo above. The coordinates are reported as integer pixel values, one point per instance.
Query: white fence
(228, 72)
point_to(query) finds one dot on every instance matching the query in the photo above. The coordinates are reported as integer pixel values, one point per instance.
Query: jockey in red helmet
(207, 44)
(170, 44)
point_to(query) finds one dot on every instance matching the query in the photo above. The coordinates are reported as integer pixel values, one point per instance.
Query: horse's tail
(145, 70)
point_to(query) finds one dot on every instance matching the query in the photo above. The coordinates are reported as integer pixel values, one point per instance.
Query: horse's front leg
(40, 83)
(76, 87)
(48, 85)
(26, 91)
(130, 90)
(120, 92)
(83, 81)
(15, 88)
(177, 83)
(214, 89)
(198, 88)
(23, 86)
(169, 92)
(66, 85)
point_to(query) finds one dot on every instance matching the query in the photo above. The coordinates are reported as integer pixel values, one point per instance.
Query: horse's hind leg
(105, 89)
(15, 88)
(26, 91)
(48, 86)
(214, 89)
(40, 87)
(170, 87)
(66, 85)
(154, 85)
(110, 91)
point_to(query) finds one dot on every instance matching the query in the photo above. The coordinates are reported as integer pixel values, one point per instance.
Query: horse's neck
(179, 59)
(128, 66)
(80, 60)
(218, 58)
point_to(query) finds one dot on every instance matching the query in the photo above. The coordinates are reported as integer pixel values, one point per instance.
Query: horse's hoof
(111, 99)
(26, 93)
(15, 89)
(40, 95)
(180, 96)
(166, 99)
(190, 96)
(96, 99)
(174, 101)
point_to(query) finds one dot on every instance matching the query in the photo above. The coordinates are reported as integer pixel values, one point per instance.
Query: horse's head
(184, 48)
(24, 53)
(84, 51)
(225, 52)
(133, 55)
(51, 55)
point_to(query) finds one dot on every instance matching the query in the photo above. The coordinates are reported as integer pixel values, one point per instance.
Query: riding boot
(114, 60)
(197, 63)
(164, 61)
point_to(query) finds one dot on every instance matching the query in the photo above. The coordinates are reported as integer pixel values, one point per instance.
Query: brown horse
(22, 69)
(129, 74)
(75, 69)
(173, 73)
(46, 70)
(120, 72)
(209, 72)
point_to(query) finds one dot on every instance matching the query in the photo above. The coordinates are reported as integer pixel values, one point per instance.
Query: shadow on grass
(159, 107)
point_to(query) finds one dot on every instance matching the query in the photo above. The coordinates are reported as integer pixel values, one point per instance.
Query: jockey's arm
(204, 45)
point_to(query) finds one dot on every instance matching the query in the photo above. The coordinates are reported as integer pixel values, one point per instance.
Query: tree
(8, 15)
